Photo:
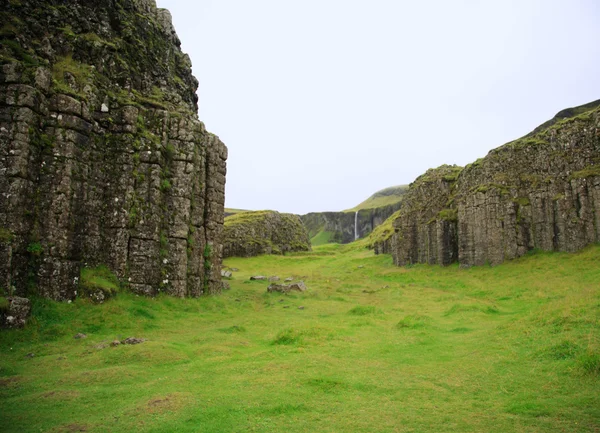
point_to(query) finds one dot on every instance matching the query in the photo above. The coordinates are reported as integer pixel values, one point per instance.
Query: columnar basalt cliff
(539, 192)
(103, 160)
(425, 226)
(263, 232)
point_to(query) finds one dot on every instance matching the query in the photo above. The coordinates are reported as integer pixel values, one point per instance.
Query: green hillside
(381, 198)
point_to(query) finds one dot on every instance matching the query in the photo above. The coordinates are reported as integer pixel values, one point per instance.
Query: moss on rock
(263, 232)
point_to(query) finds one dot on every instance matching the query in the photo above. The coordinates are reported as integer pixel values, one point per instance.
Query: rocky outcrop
(340, 225)
(14, 312)
(287, 288)
(102, 158)
(539, 192)
(425, 226)
(263, 232)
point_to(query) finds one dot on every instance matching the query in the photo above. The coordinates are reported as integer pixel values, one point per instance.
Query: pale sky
(323, 102)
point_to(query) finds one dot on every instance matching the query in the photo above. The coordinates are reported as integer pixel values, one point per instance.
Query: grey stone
(16, 313)
(226, 274)
(79, 336)
(258, 278)
(133, 340)
(286, 288)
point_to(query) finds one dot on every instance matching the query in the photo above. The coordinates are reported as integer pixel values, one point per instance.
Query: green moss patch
(100, 278)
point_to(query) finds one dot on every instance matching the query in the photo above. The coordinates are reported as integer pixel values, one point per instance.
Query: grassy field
(375, 348)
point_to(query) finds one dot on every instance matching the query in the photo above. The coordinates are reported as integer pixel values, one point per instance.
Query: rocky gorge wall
(340, 225)
(103, 160)
(250, 233)
(539, 192)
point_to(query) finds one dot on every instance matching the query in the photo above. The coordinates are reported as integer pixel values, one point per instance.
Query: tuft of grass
(235, 329)
(363, 310)
(589, 363)
(288, 337)
(413, 321)
(565, 350)
(461, 308)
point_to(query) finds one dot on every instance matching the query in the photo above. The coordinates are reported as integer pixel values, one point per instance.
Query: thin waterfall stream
(356, 225)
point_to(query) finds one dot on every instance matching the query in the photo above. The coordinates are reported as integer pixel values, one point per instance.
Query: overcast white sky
(323, 102)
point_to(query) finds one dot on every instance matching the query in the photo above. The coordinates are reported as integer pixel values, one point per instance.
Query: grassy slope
(381, 198)
(230, 210)
(376, 349)
(321, 238)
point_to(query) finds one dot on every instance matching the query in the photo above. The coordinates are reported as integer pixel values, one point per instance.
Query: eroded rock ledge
(103, 160)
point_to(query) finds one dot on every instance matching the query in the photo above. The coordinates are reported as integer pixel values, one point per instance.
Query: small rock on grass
(30, 355)
(79, 336)
(274, 278)
(288, 279)
(286, 288)
(115, 343)
(258, 278)
(301, 307)
(133, 340)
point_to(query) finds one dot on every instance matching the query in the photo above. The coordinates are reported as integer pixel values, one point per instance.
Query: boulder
(14, 314)
(133, 340)
(258, 278)
(286, 288)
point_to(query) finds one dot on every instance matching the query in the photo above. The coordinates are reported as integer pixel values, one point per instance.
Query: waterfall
(356, 225)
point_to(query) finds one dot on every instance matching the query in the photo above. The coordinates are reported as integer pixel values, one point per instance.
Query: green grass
(376, 348)
(230, 210)
(321, 238)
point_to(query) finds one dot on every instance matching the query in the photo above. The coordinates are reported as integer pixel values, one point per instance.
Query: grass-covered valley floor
(376, 348)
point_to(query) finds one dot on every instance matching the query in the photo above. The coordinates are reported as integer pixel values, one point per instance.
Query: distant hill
(384, 197)
(231, 211)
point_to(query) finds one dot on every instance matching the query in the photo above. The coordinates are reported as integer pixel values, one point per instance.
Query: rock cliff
(263, 232)
(340, 226)
(103, 160)
(539, 192)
